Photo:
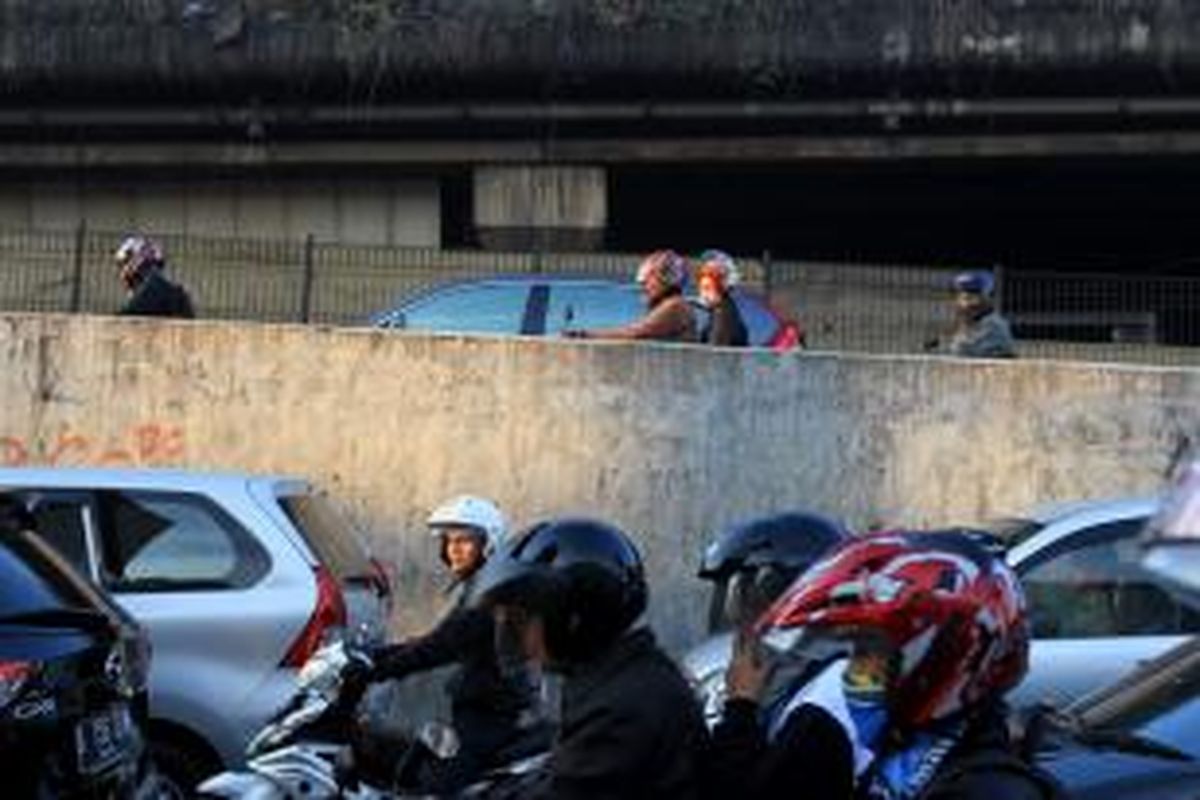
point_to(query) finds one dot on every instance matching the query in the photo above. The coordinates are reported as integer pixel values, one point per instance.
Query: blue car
(539, 305)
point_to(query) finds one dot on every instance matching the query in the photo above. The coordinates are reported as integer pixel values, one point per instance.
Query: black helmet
(752, 562)
(582, 577)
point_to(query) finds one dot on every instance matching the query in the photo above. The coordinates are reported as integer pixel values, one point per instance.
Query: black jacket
(811, 758)
(631, 728)
(465, 636)
(156, 296)
(725, 326)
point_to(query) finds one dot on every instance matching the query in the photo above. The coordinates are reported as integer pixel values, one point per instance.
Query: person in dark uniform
(141, 265)
(571, 591)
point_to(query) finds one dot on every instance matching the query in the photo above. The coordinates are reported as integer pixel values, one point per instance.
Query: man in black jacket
(141, 263)
(571, 591)
(489, 700)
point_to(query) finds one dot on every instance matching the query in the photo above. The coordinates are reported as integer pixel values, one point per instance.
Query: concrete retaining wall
(671, 442)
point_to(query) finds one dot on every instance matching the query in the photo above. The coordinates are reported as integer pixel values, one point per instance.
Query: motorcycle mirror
(441, 739)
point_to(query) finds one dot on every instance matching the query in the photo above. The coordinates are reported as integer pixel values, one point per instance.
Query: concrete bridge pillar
(533, 207)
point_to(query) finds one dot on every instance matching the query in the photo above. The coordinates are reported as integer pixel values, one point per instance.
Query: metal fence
(878, 309)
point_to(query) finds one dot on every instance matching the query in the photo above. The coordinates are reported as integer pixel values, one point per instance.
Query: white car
(1097, 614)
(237, 578)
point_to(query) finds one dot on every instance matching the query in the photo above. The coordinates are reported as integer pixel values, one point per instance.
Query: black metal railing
(851, 307)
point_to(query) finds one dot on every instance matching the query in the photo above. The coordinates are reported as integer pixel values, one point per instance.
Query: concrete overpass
(573, 123)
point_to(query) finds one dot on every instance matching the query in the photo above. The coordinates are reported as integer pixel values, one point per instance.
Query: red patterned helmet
(952, 613)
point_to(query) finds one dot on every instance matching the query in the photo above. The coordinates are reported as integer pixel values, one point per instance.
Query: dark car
(538, 305)
(1138, 739)
(72, 677)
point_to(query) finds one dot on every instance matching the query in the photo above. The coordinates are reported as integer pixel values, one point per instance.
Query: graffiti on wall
(147, 444)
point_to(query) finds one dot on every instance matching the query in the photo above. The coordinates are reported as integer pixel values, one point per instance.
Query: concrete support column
(540, 207)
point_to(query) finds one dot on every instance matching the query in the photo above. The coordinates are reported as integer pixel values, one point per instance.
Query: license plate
(104, 739)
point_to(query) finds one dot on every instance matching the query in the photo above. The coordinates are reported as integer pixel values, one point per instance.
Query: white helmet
(469, 511)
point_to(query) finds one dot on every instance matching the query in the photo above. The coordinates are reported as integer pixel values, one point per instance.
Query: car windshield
(328, 533)
(1159, 702)
(482, 307)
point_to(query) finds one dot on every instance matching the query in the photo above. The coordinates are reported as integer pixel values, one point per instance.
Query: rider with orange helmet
(715, 278)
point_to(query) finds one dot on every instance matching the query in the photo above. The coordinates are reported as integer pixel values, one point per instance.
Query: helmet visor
(796, 656)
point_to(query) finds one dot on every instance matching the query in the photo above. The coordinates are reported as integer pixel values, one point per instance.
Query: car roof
(1059, 520)
(1114, 508)
(139, 478)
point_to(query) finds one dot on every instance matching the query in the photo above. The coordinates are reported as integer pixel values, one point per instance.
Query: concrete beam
(303, 156)
(373, 50)
(540, 207)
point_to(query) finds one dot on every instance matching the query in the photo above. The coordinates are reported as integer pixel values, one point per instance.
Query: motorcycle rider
(571, 592)
(715, 278)
(751, 562)
(669, 317)
(490, 700)
(979, 329)
(141, 264)
(928, 631)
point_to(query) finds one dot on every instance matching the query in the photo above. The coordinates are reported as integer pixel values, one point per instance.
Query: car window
(472, 308)
(592, 305)
(34, 578)
(61, 523)
(328, 533)
(1099, 588)
(167, 540)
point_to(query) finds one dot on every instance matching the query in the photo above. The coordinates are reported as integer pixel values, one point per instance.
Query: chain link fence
(861, 308)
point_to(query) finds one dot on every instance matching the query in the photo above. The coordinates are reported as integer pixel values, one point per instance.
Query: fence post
(77, 271)
(768, 282)
(309, 276)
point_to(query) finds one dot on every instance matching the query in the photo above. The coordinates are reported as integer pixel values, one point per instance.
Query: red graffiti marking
(14, 451)
(148, 444)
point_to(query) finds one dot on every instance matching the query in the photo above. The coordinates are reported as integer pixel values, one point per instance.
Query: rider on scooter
(489, 699)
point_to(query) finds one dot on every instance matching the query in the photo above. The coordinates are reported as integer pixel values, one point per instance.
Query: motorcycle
(315, 748)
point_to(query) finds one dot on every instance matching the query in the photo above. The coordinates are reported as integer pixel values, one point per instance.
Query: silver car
(238, 579)
(1097, 614)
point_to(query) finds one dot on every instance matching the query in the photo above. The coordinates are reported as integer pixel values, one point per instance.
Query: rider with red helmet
(141, 266)
(669, 318)
(919, 636)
